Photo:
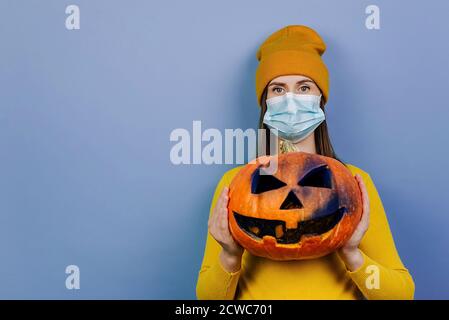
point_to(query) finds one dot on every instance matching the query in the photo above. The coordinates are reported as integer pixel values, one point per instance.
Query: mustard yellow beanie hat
(292, 50)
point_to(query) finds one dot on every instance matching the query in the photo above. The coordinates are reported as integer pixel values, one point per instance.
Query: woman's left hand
(350, 252)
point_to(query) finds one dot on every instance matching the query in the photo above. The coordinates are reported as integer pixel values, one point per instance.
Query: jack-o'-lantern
(308, 208)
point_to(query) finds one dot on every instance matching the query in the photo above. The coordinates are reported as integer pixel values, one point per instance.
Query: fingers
(222, 203)
(220, 199)
(262, 160)
(365, 199)
(219, 223)
(364, 193)
(223, 199)
(223, 221)
(223, 212)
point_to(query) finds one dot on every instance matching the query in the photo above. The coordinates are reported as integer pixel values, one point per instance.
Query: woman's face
(292, 83)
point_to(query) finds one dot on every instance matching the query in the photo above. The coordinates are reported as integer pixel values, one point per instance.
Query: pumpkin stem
(286, 146)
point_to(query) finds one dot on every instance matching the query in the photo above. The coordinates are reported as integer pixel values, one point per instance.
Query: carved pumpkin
(307, 209)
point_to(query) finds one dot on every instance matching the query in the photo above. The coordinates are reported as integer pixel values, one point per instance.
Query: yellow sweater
(322, 278)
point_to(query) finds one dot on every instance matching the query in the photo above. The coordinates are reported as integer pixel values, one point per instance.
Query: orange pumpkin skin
(309, 208)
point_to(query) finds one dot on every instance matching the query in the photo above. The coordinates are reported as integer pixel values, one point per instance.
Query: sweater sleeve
(382, 275)
(214, 282)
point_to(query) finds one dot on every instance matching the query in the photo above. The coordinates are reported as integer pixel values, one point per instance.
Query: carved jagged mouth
(258, 228)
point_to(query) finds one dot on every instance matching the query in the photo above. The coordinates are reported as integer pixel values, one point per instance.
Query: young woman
(292, 87)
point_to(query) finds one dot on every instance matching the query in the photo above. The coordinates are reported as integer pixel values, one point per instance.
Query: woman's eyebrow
(284, 85)
(304, 80)
(277, 84)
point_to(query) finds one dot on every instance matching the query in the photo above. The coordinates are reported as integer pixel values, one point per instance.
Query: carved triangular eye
(319, 177)
(262, 183)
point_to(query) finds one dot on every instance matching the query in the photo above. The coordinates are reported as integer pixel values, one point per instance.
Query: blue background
(85, 119)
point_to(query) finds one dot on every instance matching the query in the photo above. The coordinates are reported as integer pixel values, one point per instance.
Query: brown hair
(322, 140)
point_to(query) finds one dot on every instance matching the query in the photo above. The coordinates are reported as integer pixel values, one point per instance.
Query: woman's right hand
(231, 253)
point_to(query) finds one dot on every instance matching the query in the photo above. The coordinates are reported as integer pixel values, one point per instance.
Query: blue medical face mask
(294, 116)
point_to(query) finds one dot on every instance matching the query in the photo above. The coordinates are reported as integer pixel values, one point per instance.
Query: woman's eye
(303, 89)
(278, 90)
